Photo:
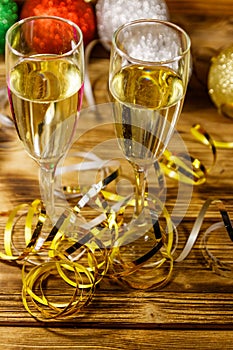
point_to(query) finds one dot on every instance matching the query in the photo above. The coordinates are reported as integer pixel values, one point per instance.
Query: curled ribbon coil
(175, 165)
(35, 281)
(189, 169)
(80, 255)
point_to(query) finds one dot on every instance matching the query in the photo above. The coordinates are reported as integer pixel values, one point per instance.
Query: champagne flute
(149, 71)
(45, 74)
(148, 77)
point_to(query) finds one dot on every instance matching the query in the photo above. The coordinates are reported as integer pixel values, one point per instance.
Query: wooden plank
(195, 297)
(201, 8)
(108, 339)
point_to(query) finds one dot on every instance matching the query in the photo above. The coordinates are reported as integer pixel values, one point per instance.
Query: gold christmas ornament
(220, 81)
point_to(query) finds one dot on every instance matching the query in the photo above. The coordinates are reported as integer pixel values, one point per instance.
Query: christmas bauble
(220, 81)
(113, 13)
(8, 16)
(78, 11)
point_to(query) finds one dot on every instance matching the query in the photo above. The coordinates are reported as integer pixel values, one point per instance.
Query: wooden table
(195, 309)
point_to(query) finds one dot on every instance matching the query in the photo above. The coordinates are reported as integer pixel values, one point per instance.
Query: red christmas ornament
(78, 11)
(49, 37)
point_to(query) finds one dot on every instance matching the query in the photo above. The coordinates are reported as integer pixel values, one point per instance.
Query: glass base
(141, 256)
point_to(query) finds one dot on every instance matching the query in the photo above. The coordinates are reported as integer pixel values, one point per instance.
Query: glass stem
(140, 189)
(48, 187)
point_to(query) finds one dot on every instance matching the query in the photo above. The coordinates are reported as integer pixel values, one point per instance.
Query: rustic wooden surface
(195, 310)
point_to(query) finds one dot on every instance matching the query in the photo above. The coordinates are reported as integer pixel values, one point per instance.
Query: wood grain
(79, 339)
(199, 7)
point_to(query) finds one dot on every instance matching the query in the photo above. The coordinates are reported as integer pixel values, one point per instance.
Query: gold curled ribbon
(147, 270)
(35, 208)
(123, 270)
(99, 248)
(188, 169)
(57, 254)
(176, 167)
(200, 133)
(34, 294)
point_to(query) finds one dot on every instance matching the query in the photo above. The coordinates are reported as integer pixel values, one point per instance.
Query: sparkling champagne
(148, 101)
(45, 98)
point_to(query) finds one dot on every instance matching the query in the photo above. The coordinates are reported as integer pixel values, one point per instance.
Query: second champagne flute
(149, 72)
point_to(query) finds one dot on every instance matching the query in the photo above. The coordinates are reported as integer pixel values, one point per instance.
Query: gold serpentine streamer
(88, 265)
(82, 259)
(176, 167)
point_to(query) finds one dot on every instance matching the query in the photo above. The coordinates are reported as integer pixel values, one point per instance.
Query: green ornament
(8, 16)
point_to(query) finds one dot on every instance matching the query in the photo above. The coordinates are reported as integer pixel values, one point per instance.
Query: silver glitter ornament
(113, 13)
